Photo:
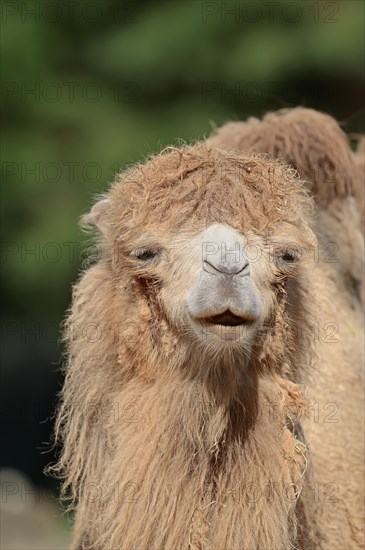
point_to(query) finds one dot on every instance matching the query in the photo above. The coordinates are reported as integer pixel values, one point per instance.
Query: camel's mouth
(229, 319)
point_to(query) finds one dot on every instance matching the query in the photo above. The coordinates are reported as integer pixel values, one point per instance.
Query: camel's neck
(179, 461)
(177, 416)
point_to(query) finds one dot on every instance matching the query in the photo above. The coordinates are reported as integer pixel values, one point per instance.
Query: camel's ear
(98, 216)
(308, 235)
(300, 233)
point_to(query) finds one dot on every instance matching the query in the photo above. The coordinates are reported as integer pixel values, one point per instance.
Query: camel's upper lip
(227, 318)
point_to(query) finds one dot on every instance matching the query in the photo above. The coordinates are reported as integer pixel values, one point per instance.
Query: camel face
(199, 243)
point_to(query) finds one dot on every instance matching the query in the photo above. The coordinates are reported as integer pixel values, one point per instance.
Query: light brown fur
(310, 141)
(169, 445)
(314, 145)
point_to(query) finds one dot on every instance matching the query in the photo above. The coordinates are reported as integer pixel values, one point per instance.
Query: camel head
(204, 247)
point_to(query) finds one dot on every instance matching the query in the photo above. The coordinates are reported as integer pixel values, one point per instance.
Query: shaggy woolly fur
(314, 145)
(169, 443)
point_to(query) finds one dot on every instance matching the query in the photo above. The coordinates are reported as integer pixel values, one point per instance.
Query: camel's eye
(146, 254)
(289, 256)
(286, 259)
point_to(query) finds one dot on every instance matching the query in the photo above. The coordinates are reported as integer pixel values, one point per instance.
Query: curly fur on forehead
(202, 184)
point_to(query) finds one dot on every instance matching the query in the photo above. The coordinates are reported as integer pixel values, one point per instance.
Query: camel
(197, 343)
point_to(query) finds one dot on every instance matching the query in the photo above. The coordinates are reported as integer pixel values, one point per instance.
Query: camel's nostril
(227, 318)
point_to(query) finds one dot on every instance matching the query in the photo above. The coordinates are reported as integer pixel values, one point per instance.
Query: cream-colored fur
(176, 439)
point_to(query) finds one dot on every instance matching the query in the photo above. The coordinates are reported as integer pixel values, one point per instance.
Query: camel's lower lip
(227, 319)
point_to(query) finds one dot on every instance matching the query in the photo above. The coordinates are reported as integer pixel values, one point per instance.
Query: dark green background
(92, 86)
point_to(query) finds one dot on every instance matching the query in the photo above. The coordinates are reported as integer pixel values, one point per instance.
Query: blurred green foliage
(89, 87)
